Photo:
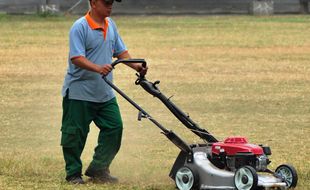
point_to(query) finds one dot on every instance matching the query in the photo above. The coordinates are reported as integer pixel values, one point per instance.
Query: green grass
(234, 75)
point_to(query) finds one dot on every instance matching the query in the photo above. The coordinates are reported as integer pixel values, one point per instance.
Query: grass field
(234, 75)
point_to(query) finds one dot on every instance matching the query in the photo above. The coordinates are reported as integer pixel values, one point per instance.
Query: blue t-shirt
(99, 45)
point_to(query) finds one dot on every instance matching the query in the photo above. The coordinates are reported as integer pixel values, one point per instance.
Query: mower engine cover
(234, 145)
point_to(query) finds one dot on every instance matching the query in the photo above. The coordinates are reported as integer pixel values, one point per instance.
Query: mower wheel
(186, 178)
(246, 178)
(288, 174)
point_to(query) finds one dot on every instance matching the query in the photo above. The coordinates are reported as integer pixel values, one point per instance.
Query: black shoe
(100, 176)
(75, 179)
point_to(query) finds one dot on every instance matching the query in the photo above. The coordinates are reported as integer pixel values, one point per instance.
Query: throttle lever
(137, 82)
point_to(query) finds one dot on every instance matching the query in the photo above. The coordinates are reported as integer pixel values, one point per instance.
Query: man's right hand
(84, 63)
(105, 69)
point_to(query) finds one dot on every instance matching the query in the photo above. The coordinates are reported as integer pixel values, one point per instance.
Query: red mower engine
(236, 152)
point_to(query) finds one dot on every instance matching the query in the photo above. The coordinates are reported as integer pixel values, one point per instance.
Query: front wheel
(246, 178)
(288, 174)
(186, 178)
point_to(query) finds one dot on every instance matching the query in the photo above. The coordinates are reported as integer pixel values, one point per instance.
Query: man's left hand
(142, 70)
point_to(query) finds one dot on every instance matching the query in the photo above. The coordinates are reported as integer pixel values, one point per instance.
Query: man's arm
(84, 63)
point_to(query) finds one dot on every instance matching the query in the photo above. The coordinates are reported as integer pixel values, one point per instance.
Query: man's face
(102, 7)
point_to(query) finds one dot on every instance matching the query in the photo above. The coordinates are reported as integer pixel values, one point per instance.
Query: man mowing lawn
(94, 41)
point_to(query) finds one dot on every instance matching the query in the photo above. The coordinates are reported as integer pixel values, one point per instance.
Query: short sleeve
(119, 45)
(77, 41)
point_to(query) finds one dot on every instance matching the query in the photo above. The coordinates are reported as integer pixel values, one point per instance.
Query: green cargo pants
(77, 116)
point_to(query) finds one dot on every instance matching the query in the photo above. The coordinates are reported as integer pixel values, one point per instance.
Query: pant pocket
(69, 137)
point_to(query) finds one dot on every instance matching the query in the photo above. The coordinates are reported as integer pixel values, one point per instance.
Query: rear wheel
(186, 178)
(288, 174)
(246, 178)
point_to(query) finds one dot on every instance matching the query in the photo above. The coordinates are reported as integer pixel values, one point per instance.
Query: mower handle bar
(129, 61)
(169, 134)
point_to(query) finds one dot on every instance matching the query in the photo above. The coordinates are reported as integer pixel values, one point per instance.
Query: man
(94, 40)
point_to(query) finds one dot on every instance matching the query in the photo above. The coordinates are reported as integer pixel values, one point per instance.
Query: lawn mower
(230, 164)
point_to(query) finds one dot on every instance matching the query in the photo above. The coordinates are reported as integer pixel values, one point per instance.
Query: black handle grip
(129, 61)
